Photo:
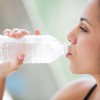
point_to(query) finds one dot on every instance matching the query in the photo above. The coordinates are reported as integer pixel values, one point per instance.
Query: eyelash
(83, 30)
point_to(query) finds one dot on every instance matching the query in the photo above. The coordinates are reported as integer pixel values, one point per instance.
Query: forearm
(2, 87)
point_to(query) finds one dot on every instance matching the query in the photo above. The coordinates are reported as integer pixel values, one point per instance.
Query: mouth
(69, 51)
(68, 54)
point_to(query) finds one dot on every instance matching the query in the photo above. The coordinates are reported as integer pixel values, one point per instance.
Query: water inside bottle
(41, 49)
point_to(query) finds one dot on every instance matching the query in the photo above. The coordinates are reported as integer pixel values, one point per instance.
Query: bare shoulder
(75, 90)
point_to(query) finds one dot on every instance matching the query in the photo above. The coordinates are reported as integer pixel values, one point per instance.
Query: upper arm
(74, 90)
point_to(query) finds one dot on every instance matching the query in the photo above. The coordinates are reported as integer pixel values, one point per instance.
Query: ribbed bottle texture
(37, 49)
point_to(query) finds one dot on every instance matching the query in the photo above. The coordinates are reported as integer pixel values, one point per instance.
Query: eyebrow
(84, 19)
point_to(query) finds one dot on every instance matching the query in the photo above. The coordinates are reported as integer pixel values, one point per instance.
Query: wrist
(3, 77)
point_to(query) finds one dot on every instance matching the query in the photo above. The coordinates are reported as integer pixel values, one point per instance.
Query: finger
(15, 29)
(37, 32)
(21, 33)
(10, 67)
(6, 32)
(12, 33)
(17, 62)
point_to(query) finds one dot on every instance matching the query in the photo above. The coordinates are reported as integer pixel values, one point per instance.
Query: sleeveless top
(90, 92)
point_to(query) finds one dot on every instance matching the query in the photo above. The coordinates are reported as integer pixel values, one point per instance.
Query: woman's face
(85, 39)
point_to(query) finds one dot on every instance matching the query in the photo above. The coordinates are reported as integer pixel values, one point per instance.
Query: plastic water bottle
(37, 48)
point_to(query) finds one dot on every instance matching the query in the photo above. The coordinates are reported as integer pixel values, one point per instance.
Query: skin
(85, 55)
(7, 68)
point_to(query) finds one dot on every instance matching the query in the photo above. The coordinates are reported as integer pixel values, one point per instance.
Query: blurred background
(54, 17)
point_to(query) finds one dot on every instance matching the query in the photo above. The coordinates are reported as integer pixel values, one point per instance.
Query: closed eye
(83, 30)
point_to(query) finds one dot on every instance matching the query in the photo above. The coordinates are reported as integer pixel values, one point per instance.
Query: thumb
(19, 59)
(10, 67)
(14, 64)
(37, 32)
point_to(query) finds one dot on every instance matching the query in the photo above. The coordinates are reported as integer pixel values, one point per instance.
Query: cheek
(87, 52)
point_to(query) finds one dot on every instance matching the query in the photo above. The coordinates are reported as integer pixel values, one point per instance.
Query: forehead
(91, 11)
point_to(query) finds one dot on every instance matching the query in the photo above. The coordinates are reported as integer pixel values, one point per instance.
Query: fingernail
(6, 33)
(21, 57)
(18, 32)
(11, 34)
(37, 32)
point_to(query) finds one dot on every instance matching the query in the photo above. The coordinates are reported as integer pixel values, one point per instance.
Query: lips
(68, 54)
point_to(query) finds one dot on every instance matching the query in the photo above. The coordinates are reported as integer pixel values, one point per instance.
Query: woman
(84, 56)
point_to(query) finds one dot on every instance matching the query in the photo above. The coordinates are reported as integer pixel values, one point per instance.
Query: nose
(72, 36)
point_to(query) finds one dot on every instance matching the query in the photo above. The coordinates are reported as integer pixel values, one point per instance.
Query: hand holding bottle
(9, 67)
